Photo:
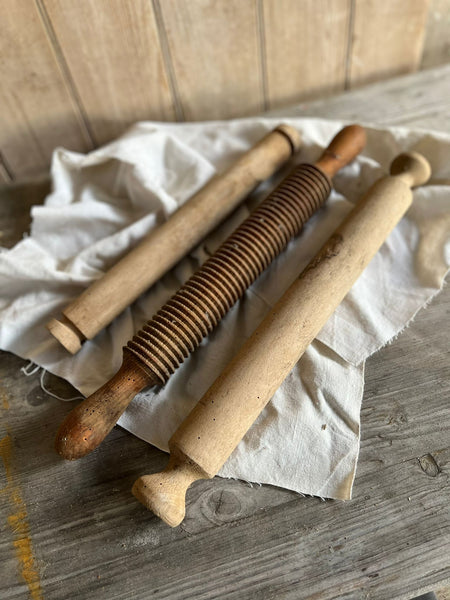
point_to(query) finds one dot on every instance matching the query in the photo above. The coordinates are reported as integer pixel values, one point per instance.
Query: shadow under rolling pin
(218, 422)
(179, 326)
(163, 247)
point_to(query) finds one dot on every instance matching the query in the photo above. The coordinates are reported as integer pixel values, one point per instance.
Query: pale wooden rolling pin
(209, 434)
(162, 248)
(178, 328)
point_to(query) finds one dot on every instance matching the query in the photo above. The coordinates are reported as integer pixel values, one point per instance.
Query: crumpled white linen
(103, 203)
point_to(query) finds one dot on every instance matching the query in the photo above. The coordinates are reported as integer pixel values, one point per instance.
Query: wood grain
(403, 101)
(305, 48)
(97, 66)
(112, 50)
(93, 540)
(387, 39)
(436, 49)
(39, 111)
(215, 55)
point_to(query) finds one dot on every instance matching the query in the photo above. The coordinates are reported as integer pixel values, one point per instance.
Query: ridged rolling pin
(179, 326)
(218, 422)
(162, 248)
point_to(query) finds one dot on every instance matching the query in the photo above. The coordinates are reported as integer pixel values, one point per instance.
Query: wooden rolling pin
(180, 325)
(209, 434)
(162, 248)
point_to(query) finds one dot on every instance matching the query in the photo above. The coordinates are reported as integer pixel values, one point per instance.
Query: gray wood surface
(85, 536)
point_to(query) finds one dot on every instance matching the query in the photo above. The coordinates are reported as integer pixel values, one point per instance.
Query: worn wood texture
(39, 110)
(405, 101)
(387, 39)
(77, 74)
(214, 51)
(437, 36)
(118, 68)
(88, 537)
(304, 47)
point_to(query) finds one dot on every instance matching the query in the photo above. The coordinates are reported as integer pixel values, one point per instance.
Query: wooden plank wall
(77, 74)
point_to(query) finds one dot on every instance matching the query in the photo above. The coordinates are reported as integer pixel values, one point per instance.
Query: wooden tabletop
(73, 530)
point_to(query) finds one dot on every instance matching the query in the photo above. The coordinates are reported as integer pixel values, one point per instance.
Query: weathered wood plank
(436, 49)
(305, 48)
(39, 111)
(387, 39)
(214, 48)
(118, 68)
(405, 101)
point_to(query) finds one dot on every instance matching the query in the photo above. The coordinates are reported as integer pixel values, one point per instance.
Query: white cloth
(307, 438)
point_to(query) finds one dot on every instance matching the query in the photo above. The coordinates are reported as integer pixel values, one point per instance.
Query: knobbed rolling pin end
(412, 167)
(164, 493)
(87, 425)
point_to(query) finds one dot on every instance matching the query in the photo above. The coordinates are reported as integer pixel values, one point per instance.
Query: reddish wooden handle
(90, 422)
(343, 148)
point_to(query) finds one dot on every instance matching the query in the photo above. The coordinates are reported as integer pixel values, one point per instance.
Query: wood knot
(221, 506)
(429, 465)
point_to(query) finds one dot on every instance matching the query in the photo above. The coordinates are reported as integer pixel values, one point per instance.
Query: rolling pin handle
(343, 148)
(412, 167)
(87, 425)
(164, 493)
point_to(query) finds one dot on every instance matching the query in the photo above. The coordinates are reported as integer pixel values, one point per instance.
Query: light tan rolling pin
(209, 434)
(178, 328)
(162, 248)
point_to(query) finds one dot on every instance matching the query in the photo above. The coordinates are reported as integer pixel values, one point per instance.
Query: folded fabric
(103, 203)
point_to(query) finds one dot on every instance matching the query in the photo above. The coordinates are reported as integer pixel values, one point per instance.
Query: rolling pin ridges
(193, 312)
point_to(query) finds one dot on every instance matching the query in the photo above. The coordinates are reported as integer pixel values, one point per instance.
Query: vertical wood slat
(437, 35)
(306, 48)
(214, 51)
(387, 39)
(95, 66)
(112, 50)
(38, 109)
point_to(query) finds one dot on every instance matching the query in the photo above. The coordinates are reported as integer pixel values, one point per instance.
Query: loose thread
(32, 368)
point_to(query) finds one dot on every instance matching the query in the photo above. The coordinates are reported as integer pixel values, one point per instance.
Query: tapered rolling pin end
(87, 425)
(164, 493)
(343, 148)
(66, 334)
(72, 440)
(412, 167)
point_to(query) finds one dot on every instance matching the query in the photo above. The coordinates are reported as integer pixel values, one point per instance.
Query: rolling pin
(179, 326)
(212, 430)
(162, 248)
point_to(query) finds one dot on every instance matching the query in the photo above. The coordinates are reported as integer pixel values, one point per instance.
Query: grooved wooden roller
(212, 430)
(180, 325)
(162, 248)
